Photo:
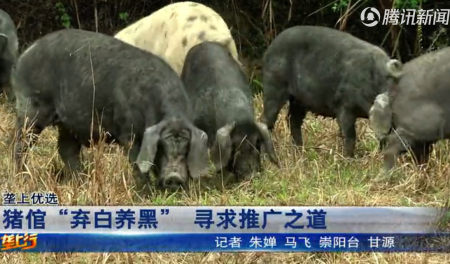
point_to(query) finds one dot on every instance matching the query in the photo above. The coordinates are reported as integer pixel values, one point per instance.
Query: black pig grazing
(9, 48)
(418, 108)
(327, 72)
(70, 78)
(223, 108)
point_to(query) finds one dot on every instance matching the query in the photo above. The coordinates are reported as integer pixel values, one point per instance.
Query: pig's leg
(275, 96)
(422, 152)
(346, 120)
(296, 116)
(382, 144)
(69, 150)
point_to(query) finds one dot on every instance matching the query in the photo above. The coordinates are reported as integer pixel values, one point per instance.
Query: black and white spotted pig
(171, 31)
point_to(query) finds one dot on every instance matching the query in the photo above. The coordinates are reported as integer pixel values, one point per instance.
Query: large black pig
(223, 108)
(327, 72)
(74, 79)
(416, 113)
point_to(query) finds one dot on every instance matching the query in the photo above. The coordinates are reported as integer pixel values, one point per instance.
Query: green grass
(318, 175)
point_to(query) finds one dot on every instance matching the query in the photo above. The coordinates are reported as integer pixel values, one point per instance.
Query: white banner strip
(223, 219)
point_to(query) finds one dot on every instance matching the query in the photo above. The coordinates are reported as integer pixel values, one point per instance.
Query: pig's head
(177, 149)
(32, 115)
(238, 145)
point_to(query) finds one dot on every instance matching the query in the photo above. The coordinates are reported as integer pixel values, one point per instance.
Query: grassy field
(317, 175)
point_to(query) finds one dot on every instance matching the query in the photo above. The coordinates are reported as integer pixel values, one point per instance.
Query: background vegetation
(254, 23)
(316, 175)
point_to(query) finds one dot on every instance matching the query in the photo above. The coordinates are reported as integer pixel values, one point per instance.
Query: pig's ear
(395, 68)
(380, 116)
(149, 147)
(198, 160)
(3, 43)
(222, 147)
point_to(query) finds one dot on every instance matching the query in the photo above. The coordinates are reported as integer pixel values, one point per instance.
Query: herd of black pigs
(171, 87)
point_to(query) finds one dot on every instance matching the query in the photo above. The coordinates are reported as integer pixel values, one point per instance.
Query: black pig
(70, 78)
(327, 72)
(415, 114)
(9, 48)
(223, 108)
